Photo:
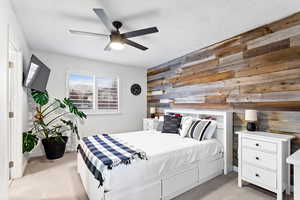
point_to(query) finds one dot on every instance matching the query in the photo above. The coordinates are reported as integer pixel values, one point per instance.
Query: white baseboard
(235, 168)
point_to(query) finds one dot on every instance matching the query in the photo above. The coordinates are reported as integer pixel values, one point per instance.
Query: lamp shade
(152, 110)
(251, 115)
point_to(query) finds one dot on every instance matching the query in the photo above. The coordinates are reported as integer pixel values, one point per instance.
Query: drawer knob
(257, 158)
(257, 144)
(257, 175)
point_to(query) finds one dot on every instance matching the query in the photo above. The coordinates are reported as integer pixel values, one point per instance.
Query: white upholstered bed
(175, 164)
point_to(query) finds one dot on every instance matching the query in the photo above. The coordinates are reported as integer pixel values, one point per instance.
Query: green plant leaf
(29, 141)
(72, 126)
(73, 109)
(41, 98)
(61, 104)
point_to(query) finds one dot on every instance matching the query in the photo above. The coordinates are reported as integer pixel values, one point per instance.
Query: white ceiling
(185, 25)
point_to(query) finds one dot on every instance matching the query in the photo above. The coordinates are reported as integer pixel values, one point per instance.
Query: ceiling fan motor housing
(116, 37)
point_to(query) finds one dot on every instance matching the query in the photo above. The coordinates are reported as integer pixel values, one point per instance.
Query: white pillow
(186, 123)
(211, 129)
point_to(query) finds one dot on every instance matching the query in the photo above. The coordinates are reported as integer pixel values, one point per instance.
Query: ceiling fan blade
(140, 32)
(76, 32)
(104, 18)
(107, 48)
(134, 44)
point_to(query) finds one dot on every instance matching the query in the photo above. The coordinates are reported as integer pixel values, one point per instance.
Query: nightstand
(150, 124)
(262, 160)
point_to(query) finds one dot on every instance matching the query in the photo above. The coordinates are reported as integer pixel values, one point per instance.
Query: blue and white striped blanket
(101, 152)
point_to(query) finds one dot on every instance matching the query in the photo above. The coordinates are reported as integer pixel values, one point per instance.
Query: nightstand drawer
(259, 158)
(259, 145)
(260, 176)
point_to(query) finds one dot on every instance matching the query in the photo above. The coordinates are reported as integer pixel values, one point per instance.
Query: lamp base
(251, 126)
(153, 116)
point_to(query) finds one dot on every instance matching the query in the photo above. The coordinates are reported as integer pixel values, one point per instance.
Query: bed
(175, 164)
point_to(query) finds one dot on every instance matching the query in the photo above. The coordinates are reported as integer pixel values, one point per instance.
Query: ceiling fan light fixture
(117, 45)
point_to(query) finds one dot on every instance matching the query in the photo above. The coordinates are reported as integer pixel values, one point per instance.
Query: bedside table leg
(240, 182)
(280, 196)
(288, 189)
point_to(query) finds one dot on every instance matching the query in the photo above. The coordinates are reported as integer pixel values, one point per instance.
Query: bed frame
(175, 183)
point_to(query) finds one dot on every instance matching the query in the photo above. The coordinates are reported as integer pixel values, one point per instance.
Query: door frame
(4, 111)
(16, 123)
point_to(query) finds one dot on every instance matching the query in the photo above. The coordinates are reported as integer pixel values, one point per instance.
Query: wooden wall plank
(155, 83)
(199, 56)
(229, 50)
(285, 23)
(295, 41)
(215, 99)
(278, 86)
(206, 65)
(264, 78)
(265, 97)
(158, 71)
(268, 68)
(278, 106)
(277, 56)
(202, 106)
(235, 41)
(283, 44)
(206, 79)
(274, 37)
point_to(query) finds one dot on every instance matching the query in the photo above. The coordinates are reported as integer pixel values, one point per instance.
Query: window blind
(81, 90)
(107, 99)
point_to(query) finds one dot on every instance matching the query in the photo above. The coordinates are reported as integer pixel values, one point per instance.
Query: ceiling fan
(117, 39)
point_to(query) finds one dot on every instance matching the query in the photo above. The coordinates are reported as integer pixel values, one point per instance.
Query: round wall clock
(136, 89)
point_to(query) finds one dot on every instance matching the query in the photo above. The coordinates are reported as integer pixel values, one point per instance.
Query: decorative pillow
(186, 123)
(211, 130)
(171, 124)
(198, 128)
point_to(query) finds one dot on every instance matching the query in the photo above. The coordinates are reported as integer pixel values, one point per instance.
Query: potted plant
(53, 120)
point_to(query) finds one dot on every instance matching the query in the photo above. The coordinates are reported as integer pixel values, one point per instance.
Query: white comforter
(166, 153)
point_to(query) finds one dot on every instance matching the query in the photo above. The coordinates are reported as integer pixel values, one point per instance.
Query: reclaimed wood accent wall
(259, 69)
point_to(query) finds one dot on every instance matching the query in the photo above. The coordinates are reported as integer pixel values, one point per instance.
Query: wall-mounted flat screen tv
(38, 75)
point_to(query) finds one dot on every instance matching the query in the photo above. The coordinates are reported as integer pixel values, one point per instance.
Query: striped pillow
(198, 129)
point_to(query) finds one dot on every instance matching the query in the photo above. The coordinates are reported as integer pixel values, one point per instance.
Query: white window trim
(95, 75)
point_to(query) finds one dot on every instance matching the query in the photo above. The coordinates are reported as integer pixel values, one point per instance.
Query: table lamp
(251, 118)
(152, 112)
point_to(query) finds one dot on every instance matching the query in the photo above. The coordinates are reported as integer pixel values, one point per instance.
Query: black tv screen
(38, 75)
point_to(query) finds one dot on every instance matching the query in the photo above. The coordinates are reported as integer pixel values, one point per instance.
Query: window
(94, 94)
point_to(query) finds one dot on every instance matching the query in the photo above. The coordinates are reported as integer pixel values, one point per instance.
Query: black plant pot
(54, 149)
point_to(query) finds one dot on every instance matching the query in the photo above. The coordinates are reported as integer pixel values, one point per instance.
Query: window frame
(95, 110)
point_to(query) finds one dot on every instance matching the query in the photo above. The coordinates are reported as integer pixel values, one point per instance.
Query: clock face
(136, 89)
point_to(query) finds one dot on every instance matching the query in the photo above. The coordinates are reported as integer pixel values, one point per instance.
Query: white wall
(7, 18)
(132, 108)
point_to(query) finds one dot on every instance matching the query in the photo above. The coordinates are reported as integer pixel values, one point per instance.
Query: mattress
(167, 153)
